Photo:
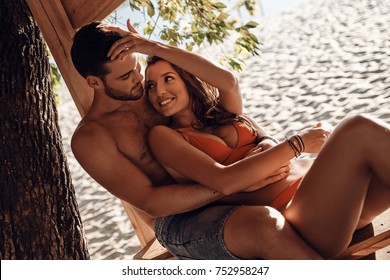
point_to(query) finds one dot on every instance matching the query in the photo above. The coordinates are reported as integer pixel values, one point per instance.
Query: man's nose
(138, 77)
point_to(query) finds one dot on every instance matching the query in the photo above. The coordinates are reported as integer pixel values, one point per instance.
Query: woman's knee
(356, 129)
(359, 124)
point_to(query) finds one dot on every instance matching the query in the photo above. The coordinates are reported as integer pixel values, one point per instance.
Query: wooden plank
(83, 12)
(144, 233)
(366, 247)
(153, 251)
(58, 33)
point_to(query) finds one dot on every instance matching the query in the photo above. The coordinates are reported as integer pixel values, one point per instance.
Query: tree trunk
(39, 217)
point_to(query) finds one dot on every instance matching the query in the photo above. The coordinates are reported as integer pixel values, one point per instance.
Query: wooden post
(58, 22)
(58, 33)
(82, 12)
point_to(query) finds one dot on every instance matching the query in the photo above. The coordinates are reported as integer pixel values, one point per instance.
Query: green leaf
(251, 24)
(151, 11)
(219, 5)
(149, 28)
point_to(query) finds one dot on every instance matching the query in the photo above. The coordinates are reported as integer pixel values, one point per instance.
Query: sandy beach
(320, 62)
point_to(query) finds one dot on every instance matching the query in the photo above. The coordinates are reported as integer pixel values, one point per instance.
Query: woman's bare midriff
(267, 194)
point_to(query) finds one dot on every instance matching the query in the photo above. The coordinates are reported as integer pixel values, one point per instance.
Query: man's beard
(123, 95)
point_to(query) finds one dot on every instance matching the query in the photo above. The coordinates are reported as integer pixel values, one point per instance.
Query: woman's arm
(173, 151)
(223, 80)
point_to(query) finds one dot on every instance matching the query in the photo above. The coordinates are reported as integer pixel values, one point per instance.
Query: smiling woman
(166, 90)
(187, 150)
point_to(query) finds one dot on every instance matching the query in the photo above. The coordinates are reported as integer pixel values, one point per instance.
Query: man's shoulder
(89, 132)
(88, 128)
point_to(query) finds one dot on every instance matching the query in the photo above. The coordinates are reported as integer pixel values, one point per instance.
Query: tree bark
(39, 217)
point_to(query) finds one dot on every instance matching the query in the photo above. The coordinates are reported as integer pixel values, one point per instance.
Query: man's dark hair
(90, 47)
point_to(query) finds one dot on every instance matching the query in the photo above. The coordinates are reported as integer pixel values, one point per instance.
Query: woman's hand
(261, 147)
(314, 138)
(278, 175)
(131, 42)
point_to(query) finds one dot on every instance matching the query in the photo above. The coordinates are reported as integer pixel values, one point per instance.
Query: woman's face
(166, 90)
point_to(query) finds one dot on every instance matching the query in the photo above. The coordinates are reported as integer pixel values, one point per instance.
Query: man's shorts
(197, 234)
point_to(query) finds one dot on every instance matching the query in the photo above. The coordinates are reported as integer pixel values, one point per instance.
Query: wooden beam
(153, 251)
(366, 247)
(83, 12)
(58, 34)
(144, 233)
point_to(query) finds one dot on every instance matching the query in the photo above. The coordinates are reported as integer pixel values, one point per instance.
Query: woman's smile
(165, 102)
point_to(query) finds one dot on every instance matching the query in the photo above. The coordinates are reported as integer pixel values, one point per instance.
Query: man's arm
(97, 153)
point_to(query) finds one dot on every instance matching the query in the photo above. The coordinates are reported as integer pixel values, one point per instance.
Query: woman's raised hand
(132, 42)
(314, 138)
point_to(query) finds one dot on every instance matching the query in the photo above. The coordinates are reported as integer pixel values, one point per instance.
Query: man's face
(124, 80)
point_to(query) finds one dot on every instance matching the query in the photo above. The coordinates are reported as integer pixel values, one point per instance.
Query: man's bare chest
(131, 136)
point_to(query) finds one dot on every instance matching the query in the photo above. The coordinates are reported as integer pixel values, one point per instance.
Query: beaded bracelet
(293, 147)
(296, 144)
(300, 141)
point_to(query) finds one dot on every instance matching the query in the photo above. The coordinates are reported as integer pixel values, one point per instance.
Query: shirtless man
(111, 144)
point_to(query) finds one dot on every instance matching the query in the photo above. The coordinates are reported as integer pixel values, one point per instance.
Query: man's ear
(95, 82)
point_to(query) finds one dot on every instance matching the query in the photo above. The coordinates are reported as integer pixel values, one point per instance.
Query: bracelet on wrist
(296, 144)
(300, 141)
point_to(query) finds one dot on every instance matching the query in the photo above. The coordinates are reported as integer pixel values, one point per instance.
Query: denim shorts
(197, 234)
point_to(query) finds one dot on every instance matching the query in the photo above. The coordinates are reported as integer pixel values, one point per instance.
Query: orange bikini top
(219, 151)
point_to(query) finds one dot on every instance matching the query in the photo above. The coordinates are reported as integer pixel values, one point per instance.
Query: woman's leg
(330, 201)
(377, 201)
